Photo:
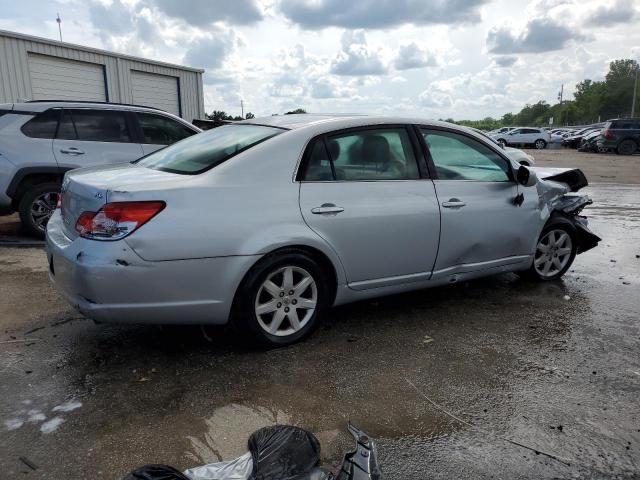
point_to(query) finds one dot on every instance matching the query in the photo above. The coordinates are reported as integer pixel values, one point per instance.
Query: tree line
(593, 101)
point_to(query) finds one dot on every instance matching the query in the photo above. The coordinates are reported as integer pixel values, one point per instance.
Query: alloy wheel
(553, 253)
(42, 208)
(286, 301)
(540, 144)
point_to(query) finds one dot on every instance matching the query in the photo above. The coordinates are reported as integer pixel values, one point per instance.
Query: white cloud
(413, 56)
(356, 57)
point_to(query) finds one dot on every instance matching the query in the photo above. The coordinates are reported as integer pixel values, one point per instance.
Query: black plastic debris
(283, 452)
(156, 472)
(279, 452)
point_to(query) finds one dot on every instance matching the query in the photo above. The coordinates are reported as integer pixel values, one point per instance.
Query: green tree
(249, 115)
(297, 110)
(619, 90)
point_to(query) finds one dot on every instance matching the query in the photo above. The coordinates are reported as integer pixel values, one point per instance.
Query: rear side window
(202, 152)
(42, 125)
(366, 155)
(94, 126)
(159, 130)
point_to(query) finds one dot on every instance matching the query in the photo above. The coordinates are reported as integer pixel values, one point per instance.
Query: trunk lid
(88, 189)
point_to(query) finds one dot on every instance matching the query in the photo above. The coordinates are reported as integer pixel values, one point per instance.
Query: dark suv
(621, 135)
(41, 140)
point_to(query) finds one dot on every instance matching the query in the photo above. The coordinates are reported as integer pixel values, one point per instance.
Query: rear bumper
(109, 282)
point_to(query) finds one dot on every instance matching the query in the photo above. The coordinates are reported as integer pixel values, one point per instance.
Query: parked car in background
(501, 130)
(573, 141)
(589, 143)
(267, 223)
(621, 135)
(536, 137)
(523, 158)
(41, 140)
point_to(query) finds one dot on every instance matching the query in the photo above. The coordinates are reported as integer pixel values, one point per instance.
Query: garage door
(54, 78)
(153, 90)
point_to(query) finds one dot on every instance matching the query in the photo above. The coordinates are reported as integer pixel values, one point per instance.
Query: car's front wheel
(36, 207)
(555, 251)
(281, 300)
(626, 147)
(540, 144)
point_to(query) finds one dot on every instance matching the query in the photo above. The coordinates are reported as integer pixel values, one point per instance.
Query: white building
(34, 68)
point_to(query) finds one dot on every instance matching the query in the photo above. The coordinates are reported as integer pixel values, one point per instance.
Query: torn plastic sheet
(238, 469)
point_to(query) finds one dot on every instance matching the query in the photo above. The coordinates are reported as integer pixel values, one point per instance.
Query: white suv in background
(41, 140)
(536, 137)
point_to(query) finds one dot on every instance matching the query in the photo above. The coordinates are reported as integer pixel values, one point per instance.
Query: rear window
(42, 125)
(204, 151)
(624, 124)
(94, 126)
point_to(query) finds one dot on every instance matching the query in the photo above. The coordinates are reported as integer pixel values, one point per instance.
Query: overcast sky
(433, 58)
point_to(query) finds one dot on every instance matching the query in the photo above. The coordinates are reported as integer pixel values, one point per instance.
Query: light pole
(59, 20)
(635, 91)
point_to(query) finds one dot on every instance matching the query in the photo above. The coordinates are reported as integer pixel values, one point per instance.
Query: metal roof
(31, 38)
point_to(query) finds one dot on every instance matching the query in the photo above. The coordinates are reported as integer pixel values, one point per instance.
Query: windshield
(204, 151)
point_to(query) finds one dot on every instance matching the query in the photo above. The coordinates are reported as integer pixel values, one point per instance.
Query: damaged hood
(573, 178)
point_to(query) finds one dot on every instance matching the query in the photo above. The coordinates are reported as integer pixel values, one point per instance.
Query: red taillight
(117, 220)
(608, 134)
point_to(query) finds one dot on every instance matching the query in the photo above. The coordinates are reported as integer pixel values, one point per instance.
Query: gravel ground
(553, 367)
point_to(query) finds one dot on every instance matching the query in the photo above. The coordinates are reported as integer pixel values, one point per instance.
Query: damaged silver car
(269, 222)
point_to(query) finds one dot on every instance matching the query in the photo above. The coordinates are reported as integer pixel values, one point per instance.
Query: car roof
(337, 121)
(42, 105)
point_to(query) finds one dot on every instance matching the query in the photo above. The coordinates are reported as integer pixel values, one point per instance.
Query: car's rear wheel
(627, 147)
(502, 142)
(36, 207)
(281, 300)
(540, 144)
(555, 251)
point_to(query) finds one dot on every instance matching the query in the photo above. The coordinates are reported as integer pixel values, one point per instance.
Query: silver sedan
(267, 223)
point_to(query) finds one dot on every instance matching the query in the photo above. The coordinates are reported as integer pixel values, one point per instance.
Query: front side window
(204, 151)
(159, 130)
(457, 157)
(42, 125)
(95, 126)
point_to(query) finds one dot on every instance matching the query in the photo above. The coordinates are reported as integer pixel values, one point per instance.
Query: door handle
(453, 203)
(71, 151)
(327, 208)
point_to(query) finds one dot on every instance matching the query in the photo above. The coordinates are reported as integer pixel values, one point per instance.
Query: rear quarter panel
(245, 206)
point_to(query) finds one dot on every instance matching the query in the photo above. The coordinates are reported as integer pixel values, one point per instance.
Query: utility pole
(635, 91)
(242, 107)
(59, 20)
(560, 98)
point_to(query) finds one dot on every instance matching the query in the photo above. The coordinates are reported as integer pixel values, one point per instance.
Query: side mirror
(526, 177)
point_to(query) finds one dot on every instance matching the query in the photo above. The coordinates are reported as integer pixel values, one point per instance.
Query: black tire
(627, 147)
(26, 207)
(525, 163)
(556, 223)
(244, 319)
(540, 144)
(502, 142)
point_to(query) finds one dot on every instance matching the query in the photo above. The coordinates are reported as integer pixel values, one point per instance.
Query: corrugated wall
(15, 83)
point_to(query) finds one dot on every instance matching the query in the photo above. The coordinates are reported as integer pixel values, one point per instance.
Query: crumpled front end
(556, 190)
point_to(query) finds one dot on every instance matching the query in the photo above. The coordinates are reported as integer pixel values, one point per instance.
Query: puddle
(228, 429)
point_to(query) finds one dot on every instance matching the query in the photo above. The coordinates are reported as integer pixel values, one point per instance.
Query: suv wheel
(540, 144)
(36, 207)
(627, 147)
(502, 142)
(281, 300)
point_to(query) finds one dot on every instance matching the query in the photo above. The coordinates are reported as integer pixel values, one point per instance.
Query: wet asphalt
(496, 378)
